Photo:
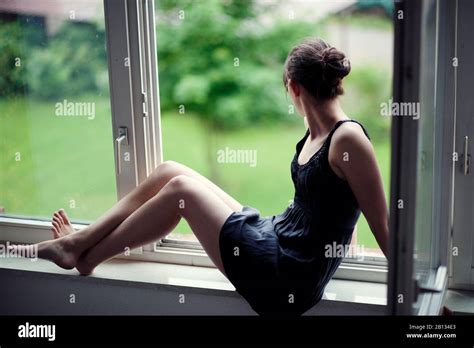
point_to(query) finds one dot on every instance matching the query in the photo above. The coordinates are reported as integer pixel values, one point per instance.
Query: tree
(220, 63)
(217, 61)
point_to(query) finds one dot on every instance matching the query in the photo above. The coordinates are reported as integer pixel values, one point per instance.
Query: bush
(228, 72)
(12, 44)
(73, 62)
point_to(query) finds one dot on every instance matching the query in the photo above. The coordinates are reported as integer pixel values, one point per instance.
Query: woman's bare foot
(61, 224)
(63, 251)
(84, 265)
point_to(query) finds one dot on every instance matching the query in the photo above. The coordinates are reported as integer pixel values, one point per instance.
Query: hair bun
(318, 67)
(336, 65)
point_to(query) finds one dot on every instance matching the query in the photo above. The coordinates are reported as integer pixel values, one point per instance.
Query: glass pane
(428, 147)
(55, 120)
(220, 72)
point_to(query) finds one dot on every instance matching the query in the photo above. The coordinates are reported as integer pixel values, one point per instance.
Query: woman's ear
(294, 87)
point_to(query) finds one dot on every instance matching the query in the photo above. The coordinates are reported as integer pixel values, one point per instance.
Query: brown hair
(318, 67)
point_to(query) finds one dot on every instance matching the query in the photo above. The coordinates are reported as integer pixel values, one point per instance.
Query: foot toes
(58, 216)
(57, 220)
(56, 225)
(63, 215)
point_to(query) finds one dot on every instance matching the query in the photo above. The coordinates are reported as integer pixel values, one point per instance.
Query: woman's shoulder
(350, 144)
(350, 131)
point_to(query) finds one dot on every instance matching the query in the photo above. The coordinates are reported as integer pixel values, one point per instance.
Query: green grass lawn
(68, 161)
(50, 161)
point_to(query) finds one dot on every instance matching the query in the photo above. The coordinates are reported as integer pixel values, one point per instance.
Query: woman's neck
(321, 118)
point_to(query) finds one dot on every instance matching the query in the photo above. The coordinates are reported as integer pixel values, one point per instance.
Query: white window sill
(207, 279)
(33, 231)
(460, 302)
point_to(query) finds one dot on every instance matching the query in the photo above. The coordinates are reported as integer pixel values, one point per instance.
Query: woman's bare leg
(182, 196)
(66, 251)
(93, 233)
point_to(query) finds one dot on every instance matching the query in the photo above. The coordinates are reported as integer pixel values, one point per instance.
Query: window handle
(466, 156)
(122, 139)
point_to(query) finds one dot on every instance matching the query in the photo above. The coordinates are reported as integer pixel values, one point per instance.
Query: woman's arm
(352, 158)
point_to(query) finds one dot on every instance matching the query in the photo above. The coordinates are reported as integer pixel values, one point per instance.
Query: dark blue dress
(278, 263)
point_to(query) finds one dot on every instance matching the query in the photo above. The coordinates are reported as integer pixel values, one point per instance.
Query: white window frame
(134, 95)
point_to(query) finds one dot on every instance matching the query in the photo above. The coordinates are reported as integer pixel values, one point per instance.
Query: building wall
(35, 293)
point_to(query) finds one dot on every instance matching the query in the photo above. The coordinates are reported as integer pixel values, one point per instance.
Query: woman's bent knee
(187, 191)
(167, 167)
(182, 183)
(166, 171)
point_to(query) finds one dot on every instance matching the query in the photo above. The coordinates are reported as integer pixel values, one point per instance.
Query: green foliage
(216, 63)
(14, 39)
(234, 8)
(369, 87)
(73, 62)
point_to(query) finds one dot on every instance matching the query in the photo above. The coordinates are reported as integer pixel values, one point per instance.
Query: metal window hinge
(144, 104)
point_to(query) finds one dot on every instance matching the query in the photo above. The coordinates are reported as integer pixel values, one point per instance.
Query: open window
(431, 215)
(163, 90)
(221, 95)
(75, 131)
(55, 111)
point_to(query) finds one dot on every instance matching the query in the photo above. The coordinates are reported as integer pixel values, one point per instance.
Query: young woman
(279, 264)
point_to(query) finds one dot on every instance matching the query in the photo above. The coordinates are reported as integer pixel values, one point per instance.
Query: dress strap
(327, 142)
(338, 123)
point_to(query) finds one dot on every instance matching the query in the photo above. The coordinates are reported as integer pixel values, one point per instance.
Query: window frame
(135, 104)
(461, 271)
(428, 299)
(137, 17)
